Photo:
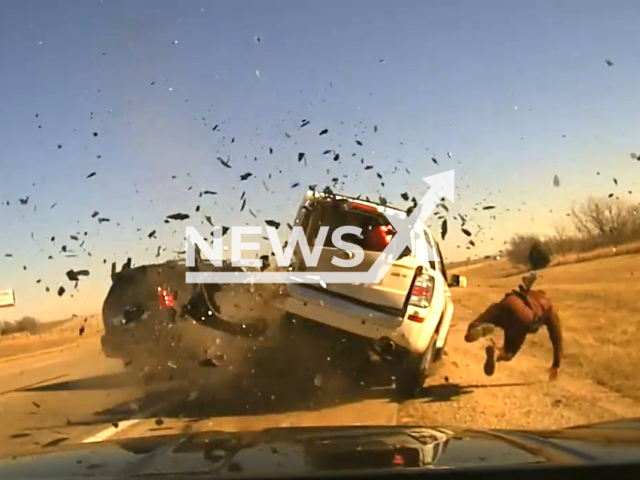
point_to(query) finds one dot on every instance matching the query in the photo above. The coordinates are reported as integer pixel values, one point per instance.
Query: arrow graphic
(408, 231)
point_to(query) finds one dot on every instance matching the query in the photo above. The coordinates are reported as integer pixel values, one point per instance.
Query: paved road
(55, 395)
(75, 395)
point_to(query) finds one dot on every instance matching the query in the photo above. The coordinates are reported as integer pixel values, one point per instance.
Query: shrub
(25, 324)
(28, 324)
(7, 328)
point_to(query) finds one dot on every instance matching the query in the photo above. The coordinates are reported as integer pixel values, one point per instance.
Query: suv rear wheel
(414, 372)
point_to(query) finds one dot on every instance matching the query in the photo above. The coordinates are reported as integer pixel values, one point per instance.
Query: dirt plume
(277, 362)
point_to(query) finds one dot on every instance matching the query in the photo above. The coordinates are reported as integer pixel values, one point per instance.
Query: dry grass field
(599, 303)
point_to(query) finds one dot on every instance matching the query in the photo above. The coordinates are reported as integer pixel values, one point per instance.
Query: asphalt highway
(76, 395)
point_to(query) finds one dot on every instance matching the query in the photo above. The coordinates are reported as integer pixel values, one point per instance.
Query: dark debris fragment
(178, 216)
(273, 223)
(265, 263)
(74, 275)
(206, 362)
(444, 228)
(224, 163)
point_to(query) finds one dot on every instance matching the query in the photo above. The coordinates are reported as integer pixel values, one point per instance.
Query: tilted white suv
(404, 319)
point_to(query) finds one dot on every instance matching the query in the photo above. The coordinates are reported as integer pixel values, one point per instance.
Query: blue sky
(517, 91)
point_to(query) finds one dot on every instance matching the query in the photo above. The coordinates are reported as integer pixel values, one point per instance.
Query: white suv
(403, 320)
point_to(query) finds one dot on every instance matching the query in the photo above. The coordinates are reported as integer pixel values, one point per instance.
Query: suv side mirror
(457, 281)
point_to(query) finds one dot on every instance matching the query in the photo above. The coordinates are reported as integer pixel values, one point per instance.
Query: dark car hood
(308, 451)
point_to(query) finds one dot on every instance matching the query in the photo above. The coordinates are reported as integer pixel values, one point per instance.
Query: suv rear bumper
(351, 317)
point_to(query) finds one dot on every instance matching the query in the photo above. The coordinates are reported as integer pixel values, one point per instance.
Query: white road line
(111, 431)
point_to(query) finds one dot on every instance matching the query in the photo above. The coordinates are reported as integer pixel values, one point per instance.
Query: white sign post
(7, 298)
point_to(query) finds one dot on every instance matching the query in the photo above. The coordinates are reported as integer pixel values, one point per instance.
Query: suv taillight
(422, 291)
(165, 298)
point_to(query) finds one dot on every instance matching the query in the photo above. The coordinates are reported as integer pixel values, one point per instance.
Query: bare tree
(602, 217)
(561, 231)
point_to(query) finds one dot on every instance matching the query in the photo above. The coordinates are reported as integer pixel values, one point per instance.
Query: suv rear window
(336, 213)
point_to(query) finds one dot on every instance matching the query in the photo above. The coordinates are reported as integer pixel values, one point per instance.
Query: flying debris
(223, 162)
(178, 216)
(273, 223)
(74, 275)
(444, 228)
